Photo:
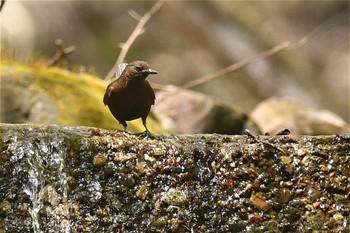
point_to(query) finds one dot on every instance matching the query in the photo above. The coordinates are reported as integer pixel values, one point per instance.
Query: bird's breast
(132, 101)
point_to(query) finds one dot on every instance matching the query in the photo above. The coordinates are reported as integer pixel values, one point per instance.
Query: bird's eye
(138, 68)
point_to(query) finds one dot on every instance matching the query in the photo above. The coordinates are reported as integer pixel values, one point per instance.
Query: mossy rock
(85, 179)
(57, 96)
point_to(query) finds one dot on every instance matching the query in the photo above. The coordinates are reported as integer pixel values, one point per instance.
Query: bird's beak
(150, 71)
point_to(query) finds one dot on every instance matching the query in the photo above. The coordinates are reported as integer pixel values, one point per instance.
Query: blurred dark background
(186, 40)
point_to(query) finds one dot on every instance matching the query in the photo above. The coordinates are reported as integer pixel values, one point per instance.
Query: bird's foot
(148, 135)
(126, 133)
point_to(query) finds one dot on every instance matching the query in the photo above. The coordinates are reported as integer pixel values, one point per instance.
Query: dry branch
(61, 53)
(139, 29)
(281, 47)
(2, 4)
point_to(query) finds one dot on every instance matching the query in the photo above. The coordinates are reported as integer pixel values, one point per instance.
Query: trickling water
(57, 162)
(33, 188)
(42, 164)
(30, 162)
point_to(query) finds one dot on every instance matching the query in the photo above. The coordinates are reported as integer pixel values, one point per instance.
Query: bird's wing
(112, 89)
(107, 95)
(151, 91)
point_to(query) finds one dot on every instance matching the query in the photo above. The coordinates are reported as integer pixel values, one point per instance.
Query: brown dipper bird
(131, 96)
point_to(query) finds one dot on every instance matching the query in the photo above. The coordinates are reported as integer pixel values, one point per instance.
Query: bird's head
(138, 70)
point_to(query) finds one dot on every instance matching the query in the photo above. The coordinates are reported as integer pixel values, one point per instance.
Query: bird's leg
(144, 124)
(124, 125)
(147, 132)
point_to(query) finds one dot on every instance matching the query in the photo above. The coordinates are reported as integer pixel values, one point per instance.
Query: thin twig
(61, 53)
(2, 4)
(139, 29)
(244, 62)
